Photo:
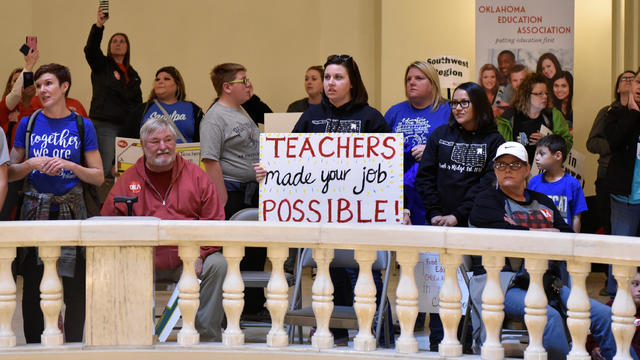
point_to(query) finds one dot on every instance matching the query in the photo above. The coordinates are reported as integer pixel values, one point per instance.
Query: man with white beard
(171, 188)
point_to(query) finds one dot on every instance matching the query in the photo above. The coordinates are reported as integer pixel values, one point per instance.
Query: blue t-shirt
(566, 194)
(56, 138)
(416, 125)
(181, 113)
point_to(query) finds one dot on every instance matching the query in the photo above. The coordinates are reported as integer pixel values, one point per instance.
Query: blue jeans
(555, 339)
(107, 133)
(625, 219)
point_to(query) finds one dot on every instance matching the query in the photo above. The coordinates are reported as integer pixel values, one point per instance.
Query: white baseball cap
(512, 148)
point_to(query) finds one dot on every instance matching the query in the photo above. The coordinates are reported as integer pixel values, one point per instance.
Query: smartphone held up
(104, 6)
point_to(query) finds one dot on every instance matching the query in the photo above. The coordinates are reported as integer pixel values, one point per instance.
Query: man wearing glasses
(229, 142)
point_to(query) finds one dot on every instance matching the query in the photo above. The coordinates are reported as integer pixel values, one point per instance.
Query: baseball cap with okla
(512, 148)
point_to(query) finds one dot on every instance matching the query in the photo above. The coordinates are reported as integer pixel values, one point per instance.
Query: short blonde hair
(432, 74)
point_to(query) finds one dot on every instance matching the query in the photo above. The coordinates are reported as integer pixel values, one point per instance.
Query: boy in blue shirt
(562, 188)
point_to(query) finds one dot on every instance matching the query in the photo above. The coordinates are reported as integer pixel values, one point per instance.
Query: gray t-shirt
(4, 149)
(230, 137)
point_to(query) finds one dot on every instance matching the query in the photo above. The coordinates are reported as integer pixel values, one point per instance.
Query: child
(562, 188)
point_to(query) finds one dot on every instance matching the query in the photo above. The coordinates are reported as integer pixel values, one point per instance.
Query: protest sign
(129, 150)
(332, 178)
(452, 71)
(429, 274)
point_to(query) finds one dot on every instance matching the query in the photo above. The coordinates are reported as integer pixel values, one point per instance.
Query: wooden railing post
(407, 302)
(535, 309)
(233, 296)
(50, 296)
(277, 296)
(492, 308)
(450, 306)
(578, 307)
(189, 300)
(7, 297)
(365, 301)
(322, 304)
(623, 310)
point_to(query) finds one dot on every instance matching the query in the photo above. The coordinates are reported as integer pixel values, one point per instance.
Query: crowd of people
(467, 162)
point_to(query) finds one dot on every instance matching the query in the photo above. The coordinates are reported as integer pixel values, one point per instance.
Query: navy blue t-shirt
(181, 113)
(56, 138)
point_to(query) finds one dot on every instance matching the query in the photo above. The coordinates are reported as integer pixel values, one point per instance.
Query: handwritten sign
(429, 274)
(129, 150)
(332, 178)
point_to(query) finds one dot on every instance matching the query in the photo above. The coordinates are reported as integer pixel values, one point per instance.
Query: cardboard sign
(429, 274)
(452, 71)
(280, 122)
(129, 150)
(332, 178)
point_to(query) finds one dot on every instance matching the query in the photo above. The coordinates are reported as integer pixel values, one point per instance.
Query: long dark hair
(553, 59)
(359, 94)
(615, 90)
(181, 93)
(557, 103)
(481, 107)
(125, 62)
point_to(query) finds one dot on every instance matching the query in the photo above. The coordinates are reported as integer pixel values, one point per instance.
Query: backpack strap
(80, 125)
(27, 135)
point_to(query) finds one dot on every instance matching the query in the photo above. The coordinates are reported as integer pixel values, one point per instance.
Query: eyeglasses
(244, 81)
(627, 78)
(542, 93)
(501, 166)
(464, 104)
(338, 58)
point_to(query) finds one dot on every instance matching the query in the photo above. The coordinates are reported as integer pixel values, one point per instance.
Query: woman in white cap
(511, 205)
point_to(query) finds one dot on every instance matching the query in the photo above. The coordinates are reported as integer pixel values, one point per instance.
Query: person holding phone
(54, 173)
(116, 87)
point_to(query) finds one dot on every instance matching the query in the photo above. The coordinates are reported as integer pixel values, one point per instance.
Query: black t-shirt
(524, 124)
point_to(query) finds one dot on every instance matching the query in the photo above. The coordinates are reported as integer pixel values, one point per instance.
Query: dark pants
(254, 258)
(75, 300)
(604, 200)
(344, 281)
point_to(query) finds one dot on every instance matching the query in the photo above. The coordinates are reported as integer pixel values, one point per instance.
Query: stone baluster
(50, 296)
(450, 306)
(322, 304)
(407, 302)
(189, 300)
(365, 301)
(233, 296)
(277, 296)
(492, 308)
(535, 309)
(623, 310)
(578, 307)
(7, 297)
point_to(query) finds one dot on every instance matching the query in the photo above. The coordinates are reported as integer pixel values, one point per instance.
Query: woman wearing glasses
(512, 206)
(456, 163)
(531, 110)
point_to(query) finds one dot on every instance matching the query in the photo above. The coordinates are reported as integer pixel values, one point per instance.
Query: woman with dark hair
(488, 80)
(562, 95)
(116, 87)
(344, 107)
(167, 100)
(54, 172)
(457, 162)
(313, 87)
(548, 65)
(530, 110)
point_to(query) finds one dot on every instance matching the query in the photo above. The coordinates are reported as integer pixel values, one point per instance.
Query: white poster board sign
(429, 274)
(280, 122)
(332, 178)
(129, 150)
(526, 28)
(452, 71)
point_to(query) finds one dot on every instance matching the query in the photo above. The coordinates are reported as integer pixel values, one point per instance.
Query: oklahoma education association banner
(527, 29)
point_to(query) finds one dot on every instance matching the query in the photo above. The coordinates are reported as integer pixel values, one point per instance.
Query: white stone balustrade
(134, 241)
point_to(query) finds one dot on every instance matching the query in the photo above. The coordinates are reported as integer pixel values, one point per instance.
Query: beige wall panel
(119, 289)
